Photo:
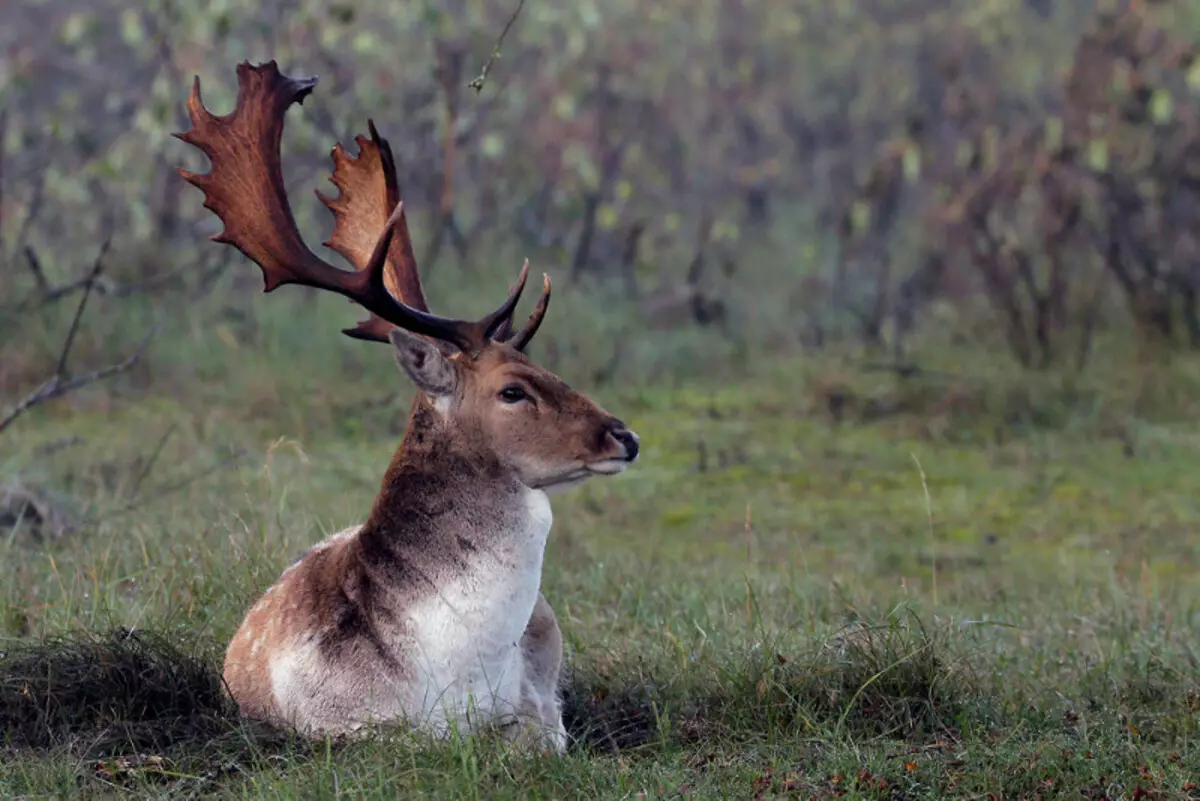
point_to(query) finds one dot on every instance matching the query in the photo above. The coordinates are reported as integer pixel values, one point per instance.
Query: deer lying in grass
(430, 613)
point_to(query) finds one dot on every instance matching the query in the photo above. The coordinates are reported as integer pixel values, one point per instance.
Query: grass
(974, 603)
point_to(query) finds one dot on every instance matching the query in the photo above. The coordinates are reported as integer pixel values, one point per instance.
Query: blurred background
(900, 295)
(928, 205)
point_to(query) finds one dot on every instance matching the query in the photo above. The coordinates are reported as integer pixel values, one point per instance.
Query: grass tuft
(610, 714)
(888, 679)
(113, 692)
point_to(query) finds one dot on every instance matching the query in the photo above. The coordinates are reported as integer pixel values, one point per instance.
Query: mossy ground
(996, 597)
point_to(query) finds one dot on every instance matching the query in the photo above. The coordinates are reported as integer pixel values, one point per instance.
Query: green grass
(965, 605)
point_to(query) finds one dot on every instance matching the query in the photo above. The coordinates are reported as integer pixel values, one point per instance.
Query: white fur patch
(441, 403)
(315, 695)
(468, 652)
(291, 669)
(548, 708)
(464, 644)
(540, 513)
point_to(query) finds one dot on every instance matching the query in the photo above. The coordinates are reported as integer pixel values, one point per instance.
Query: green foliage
(620, 138)
(1047, 208)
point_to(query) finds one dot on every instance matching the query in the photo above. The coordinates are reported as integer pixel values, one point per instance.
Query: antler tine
(404, 262)
(368, 190)
(505, 331)
(238, 145)
(522, 338)
(502, 316)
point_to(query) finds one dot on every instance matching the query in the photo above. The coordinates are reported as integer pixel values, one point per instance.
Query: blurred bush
(846, 166)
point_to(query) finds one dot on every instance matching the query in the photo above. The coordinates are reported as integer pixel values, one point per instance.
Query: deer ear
(424, 364)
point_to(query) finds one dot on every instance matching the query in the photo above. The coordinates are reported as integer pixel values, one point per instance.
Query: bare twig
(209, 276)
(52, 294)
(148, 465)
(62, 382)
(60, 385)
(35, 207)
(89, 282)
(54, 446)
(478, 82)
(35, 267)
(609, 369)
(100, 285)
(46, 294)
(448, 73)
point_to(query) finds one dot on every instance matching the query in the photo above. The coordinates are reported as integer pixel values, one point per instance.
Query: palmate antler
(245, 190)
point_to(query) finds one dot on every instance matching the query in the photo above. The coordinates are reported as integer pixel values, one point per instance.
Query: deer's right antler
(367, 189)
(245, 190)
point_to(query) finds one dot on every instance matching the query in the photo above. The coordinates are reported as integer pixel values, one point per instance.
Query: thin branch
(60, 385)
(478, 82)
(35, 207)
(607, 372)
(210, 276)
(89, 282)
(53, 294)
(148, 465)
(35, 267)
(103, 285)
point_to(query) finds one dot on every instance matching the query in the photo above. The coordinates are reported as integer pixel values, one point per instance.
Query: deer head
(473, 375)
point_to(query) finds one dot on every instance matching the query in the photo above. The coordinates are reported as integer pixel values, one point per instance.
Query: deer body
(418, 615)
(429, 614)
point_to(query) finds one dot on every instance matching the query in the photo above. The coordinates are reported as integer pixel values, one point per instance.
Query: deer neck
(449, 512)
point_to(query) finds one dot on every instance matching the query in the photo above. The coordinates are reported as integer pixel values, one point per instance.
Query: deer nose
(628, 440)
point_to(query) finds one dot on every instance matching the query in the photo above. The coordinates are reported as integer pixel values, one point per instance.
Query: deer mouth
(561, 484)
(573, 478)
(608, 467)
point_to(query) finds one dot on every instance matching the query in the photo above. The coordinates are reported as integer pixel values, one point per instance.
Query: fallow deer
(430, 613)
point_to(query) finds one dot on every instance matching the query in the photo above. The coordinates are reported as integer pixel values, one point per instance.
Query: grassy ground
(971, 603)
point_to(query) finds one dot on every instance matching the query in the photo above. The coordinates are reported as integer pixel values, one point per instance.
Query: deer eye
(513, 394)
